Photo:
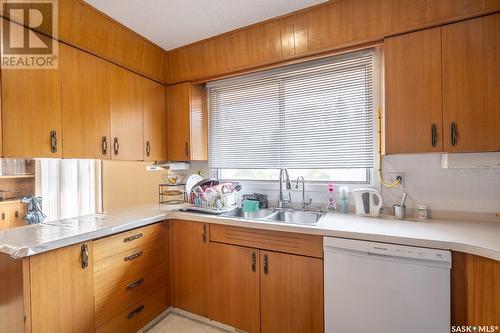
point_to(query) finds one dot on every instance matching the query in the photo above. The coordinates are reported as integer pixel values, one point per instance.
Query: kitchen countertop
(479, 238)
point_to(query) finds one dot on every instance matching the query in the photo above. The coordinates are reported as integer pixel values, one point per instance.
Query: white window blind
(317, 115)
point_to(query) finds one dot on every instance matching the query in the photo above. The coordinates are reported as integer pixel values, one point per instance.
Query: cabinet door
(413, 92)
(178, 121)
(471, 85)
(190, 266)
(291, 293)
(234, 286)
(85, 105)
(155, 122)
(31, 113)
(62, 297)
(126, 114)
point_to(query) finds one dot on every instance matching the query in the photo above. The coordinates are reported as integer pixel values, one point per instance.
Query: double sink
(278, 215)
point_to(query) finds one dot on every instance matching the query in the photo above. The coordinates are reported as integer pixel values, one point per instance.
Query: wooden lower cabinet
(139, 314)
(291, 293)
(61, 287)
(189, 250)
(131, 278)
(257, 290)
(235, 286)
(475, 290)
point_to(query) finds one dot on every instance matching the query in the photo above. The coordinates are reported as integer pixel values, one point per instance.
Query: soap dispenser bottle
(331, 205)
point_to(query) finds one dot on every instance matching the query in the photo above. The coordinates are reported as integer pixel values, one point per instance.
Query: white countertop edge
(162, 214)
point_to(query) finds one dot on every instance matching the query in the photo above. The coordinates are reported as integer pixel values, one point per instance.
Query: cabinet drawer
(106, 247)
(288, 242)
(138, 315)
(113, 298)
(127, 264)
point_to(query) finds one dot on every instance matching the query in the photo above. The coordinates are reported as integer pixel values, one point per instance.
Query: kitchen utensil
(399, 211)
(368, 202)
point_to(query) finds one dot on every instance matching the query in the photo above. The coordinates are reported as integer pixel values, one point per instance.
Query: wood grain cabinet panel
(126, 114)
(61, 291)
(413, 92)
(475, 290)
(155, 120)
(345, 22)
(138, 315)
(85, 105)
(291, 293)
(190, 266)
(31, 113)
(471, 85)
(187, 122)
(234, 286)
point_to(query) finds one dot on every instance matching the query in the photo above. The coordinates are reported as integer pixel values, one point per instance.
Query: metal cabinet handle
(133, 256)
(186, 150)
(53, 141)
(135, 312)
(453, 133)
(204, 233)
(266, 264)
(148, 148)
(85, 255)
(116, 145)
(132, 238)
(16, 214)
(135, 284)
(104, 145)
(3, 216)
(254, 262)
(434, 135)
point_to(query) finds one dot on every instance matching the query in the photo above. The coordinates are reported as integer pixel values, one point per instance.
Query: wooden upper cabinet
(155, 122)
(85, 105)
(61, 287)
(234, 286)
(291, 293)
(31, 113)
(126, 114)
(187, 122)
(413, 92)
(407, 15)
(190, 266)
(471, 85)
(346, 22)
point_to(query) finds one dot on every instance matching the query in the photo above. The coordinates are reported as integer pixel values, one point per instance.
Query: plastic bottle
(344, 200)
(331, 205)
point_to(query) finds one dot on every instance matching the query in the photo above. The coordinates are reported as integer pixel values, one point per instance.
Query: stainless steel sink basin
(276, 215)
(238, 212)
(295, 216)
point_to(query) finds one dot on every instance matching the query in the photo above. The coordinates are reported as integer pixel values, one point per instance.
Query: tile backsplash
(464, 190)
(454, 190)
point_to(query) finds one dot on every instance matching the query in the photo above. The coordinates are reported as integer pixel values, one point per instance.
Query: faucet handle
(306, 204)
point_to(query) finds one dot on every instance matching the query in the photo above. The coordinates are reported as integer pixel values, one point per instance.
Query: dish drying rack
(208, 201)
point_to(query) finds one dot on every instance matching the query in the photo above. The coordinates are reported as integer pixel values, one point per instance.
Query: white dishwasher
(385, 288)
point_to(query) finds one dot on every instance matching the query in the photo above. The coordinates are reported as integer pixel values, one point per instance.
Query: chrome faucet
(283, 203)
(304, 203)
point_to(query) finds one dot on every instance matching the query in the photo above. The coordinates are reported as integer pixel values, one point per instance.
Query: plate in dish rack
(192, 180)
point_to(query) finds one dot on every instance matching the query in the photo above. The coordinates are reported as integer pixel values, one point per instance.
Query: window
(316, 119)
(68, 188)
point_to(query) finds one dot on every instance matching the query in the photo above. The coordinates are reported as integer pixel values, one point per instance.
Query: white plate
(191, 181)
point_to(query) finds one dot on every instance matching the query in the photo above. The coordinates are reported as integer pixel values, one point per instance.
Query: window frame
(318, 185)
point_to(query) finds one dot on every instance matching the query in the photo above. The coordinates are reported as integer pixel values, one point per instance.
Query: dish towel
(250, 206)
